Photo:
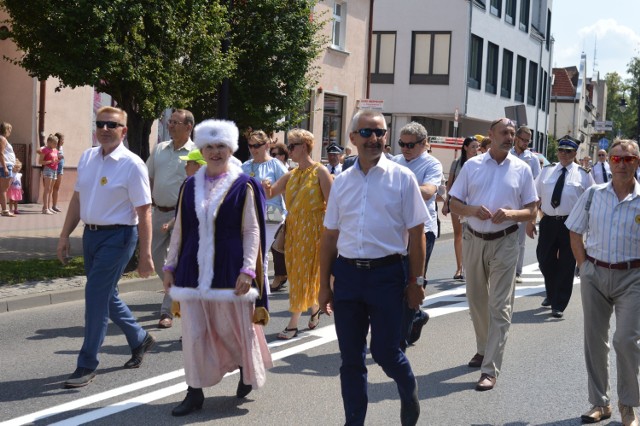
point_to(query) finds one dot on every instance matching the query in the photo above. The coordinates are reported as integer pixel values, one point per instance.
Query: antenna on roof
(595, 55)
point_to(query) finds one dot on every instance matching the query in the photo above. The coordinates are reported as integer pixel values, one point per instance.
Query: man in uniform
(113, 200)
(522, 151)
(428, 171)
(601, 170)
(609, 262)
(334, 152)
(494, 191)
(559, 186)
(166, 174)
(364, 246)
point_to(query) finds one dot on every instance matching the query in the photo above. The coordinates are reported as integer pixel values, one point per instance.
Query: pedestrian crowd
(352, 239)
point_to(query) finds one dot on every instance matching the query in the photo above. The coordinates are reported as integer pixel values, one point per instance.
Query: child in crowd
(49, 161)
(15, 188)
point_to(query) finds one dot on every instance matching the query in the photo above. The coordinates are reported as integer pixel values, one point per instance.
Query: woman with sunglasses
(306, 191)
(280, 151)
(469, 149)
(263, 167)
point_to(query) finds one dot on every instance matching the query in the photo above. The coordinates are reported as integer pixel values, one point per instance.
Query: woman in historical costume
(306, 190)
(214, 269)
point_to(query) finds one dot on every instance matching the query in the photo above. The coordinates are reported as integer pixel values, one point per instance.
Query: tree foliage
(625, 123)
(147, 54)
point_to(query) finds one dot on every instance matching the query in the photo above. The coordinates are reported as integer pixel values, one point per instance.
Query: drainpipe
(539, 100)
(466, 68)
(41, 111)
(548, 97)
(370, 36)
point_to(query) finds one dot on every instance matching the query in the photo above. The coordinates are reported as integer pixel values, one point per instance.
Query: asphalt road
(543, 380)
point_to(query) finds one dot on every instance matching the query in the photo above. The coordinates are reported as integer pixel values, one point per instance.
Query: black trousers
(556, 261)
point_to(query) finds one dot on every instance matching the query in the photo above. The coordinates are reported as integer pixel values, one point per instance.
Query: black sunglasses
(566, 151)
(410, 145)
(256, 146)
(366, 133)
(109, 124)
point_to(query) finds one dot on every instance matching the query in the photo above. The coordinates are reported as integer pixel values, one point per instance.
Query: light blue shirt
(428, 170)
(531, 159)
(272, 170)
(612, 226)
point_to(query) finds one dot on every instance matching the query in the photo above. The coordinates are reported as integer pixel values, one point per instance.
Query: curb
(16, 303)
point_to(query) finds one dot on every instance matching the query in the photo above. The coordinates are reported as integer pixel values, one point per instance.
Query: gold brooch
(103, 181)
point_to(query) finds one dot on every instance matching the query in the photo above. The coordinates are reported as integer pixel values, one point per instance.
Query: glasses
(504, 121)
(109, 124)
(366, 133)
(566, 151)
(256, 146)
(174, 122)
(523, 139)
(602, 155)
(617, 159)
(291, 146)
(274, 153)
(409, 145)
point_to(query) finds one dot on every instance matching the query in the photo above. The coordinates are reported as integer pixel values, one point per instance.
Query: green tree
(632, 114)
(147, 54)
(278, 42)
(552, 149)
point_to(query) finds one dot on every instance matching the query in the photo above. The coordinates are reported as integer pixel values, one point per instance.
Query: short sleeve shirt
(576, 181)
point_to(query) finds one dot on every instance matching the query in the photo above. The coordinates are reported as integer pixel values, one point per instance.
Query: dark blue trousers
(375, 297)
(106, 254)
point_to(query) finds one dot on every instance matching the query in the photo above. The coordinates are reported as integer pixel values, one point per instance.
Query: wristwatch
(418, 280)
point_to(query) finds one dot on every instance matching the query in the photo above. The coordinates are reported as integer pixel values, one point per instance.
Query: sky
(611, 27)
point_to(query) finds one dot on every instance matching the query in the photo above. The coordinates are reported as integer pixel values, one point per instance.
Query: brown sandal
(278, 282)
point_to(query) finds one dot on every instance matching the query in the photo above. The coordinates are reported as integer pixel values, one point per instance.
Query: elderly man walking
(166, 174)
(494, 191)
(609, 261)
(113, 200)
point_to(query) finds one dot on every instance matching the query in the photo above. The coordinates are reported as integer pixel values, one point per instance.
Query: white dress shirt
(596, 170)
(576, 181)
(484, 182)
(111, 187)
(373, 212)
(337, 169)
(612, 226)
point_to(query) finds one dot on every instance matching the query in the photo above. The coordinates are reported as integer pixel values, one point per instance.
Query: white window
(339, 25)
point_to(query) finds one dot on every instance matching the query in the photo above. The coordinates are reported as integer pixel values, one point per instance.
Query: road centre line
(323, 335)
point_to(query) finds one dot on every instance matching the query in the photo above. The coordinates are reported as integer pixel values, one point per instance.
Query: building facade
(456, 65)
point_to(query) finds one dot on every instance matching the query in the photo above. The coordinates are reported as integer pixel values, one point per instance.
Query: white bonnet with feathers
(211, 132)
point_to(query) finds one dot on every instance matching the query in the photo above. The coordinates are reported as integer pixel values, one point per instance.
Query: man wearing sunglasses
(113, 199)
(609, 261)
(601, 171)
(375, 211)
(166, 174)
(494, 192)
(522, 151)
(559, 186)
(428, 171)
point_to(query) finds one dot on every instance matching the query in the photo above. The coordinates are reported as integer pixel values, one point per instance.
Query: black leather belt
(632, 264)
(373, 263)
(166, 209)
(490, 236)
(105, 227)
(562, 218)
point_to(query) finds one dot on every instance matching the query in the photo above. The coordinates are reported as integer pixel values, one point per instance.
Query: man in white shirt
(522, 151)
(375, 211)
(113, 199)
(334, 153)
(166, 175)
(428, 172)
(601, 170)
(494, 191)
(609, 261)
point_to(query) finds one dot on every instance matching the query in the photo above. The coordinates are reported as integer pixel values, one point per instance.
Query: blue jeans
(375, 297)
(106, 254)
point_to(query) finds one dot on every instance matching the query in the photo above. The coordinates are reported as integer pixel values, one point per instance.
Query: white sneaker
(518, 278)
(46, 211)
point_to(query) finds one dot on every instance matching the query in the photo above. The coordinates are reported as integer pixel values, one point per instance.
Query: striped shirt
(612, 226)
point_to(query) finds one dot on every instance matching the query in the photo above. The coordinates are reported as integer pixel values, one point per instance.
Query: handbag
(278, 240)
(274, 215)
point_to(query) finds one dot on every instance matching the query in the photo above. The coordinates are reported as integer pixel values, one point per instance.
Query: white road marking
(323, 335)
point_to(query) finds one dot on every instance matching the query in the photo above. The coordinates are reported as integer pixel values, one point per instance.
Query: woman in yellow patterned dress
(306, 191)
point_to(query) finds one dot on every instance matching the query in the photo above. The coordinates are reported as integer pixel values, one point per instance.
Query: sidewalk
(33, 235)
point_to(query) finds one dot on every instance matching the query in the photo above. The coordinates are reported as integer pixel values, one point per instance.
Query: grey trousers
(522, 236)
(159, 246)
(490, 268)
(603, 291)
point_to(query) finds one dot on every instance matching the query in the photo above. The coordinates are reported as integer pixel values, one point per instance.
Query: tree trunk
(139, 129)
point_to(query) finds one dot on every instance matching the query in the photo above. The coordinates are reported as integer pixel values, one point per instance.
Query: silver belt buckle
(363, 264)
(93, 227)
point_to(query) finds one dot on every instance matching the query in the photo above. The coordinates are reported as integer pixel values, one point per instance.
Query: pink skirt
(15, 194)
(217, 338)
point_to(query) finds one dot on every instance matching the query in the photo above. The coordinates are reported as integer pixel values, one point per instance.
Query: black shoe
(556, 313)
(545, 303)
(192, 402)
(243, 390)
(410, 410)
(416, 329)
(81, 377)
(138, 353)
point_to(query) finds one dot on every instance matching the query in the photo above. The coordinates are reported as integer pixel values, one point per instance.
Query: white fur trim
(181, 294)
(211, 132)
(207, 211)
